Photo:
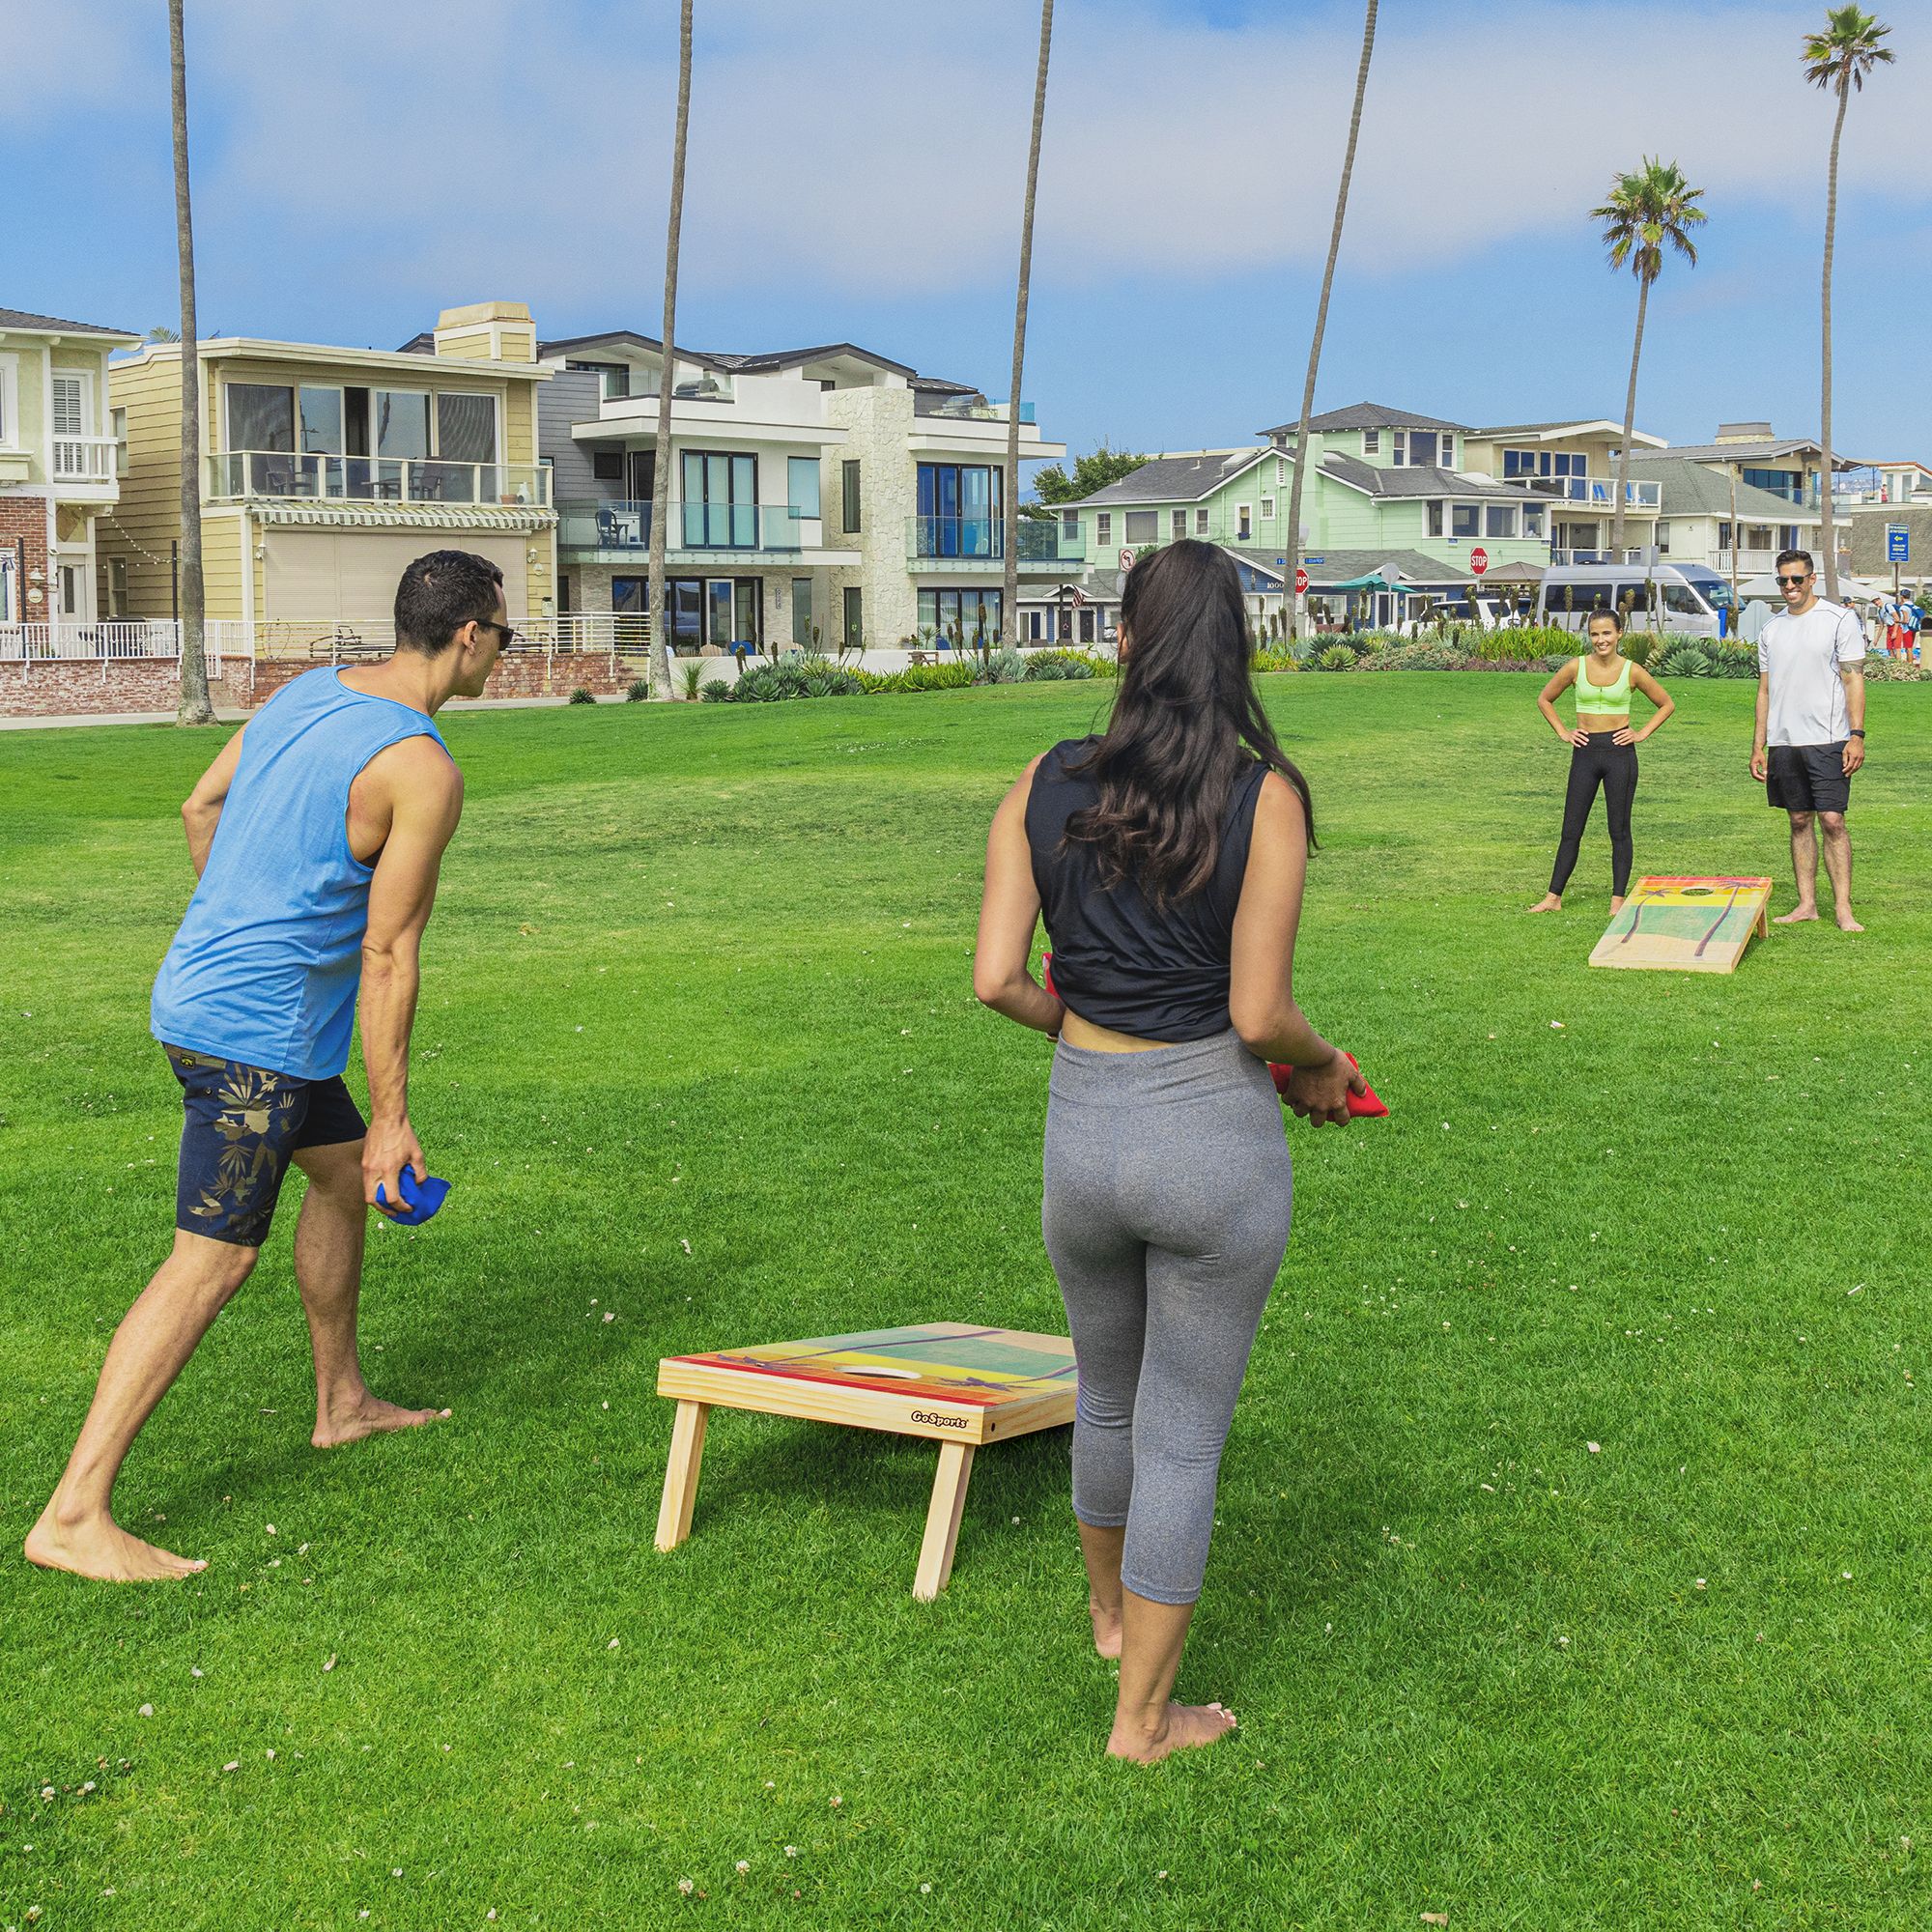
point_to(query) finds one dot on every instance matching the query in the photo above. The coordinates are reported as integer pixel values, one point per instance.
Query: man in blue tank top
(317, 835)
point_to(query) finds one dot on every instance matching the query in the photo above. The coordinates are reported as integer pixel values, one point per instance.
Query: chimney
(497, 331)
(1748, 432)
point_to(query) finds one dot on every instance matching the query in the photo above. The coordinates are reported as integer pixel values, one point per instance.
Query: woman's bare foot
(1797, 916)
(1846, 923)
(1616, 904)
(1180, 1727)
(96, 1546)
(1106, 1627)
(367, 1415)
(1549, 902)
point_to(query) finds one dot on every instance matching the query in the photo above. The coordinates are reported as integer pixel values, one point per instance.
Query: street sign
(1897, 544)
(1301, 581)
(1315, 559)
(1127, 559)
(1479, 559)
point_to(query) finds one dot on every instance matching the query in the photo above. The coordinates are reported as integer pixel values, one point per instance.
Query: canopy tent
(1373, 581)
(1511, 573)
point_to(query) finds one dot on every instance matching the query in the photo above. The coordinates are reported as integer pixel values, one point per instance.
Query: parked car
(1683, 599)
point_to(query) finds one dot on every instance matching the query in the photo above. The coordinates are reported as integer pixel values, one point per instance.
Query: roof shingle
(52, 324)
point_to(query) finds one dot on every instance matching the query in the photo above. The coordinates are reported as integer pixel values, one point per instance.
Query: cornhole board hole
(955, 1384)
(1686, 924)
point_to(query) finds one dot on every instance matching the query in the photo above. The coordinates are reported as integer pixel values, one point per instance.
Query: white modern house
(823, 496)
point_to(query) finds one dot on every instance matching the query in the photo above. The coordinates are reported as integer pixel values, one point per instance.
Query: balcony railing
(1599, 492)
(314, 478)
(984, 540)
(969, 409)
(615, 524)
(84, 459)
(625, 523)
(1644, 554)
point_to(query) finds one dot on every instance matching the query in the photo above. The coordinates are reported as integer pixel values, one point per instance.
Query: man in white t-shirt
(1811, 733)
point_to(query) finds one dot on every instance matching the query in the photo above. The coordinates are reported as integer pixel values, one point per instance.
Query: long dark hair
(1185, 723)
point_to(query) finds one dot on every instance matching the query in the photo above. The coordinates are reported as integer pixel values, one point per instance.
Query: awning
(1373, 581)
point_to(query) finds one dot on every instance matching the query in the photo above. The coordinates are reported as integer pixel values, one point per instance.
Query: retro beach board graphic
(1690, 925)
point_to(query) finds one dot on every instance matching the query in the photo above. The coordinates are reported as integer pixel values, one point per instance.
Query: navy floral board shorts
(242, 1128)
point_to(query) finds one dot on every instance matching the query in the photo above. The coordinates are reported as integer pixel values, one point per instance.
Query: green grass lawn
(698, 1047)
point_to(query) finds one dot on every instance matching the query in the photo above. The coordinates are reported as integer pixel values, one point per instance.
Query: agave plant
(1684, 660)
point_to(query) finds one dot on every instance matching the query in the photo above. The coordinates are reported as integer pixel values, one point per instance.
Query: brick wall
(23, 531)
(53, 689)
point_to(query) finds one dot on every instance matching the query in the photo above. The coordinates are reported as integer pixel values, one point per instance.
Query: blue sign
(1315, 559)
(1897, 544)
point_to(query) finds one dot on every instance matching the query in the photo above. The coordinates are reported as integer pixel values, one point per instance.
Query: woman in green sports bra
(1603, 748)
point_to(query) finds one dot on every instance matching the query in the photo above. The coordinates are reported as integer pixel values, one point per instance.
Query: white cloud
(457, 147)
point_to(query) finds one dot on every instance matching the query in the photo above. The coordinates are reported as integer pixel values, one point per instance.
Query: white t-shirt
(1801, 656)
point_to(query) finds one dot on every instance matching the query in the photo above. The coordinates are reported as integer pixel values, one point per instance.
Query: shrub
(581, 697)
(1271, 661)
(1640, 646)
(1046, 670)
(1006, 666)
(954, 676)
(1410, 657)
(716, 691)
(1336, 657)
(1684, 660)
(1731, 658)
(690, 678)
(637, 690)
(1078, 663)
(1883, 669)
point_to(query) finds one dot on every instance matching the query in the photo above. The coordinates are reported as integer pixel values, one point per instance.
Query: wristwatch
(1857, 731)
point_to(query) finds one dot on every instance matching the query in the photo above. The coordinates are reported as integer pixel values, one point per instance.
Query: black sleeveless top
(1117, 963)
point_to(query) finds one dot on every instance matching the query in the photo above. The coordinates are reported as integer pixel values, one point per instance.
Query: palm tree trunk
(1629, 425)
(1010, 582)
(1293, 560)
(194, 707)
(660, 629)
(1826, 540)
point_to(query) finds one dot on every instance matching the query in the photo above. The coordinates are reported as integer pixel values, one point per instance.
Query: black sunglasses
(508, 635)
(1792, 582)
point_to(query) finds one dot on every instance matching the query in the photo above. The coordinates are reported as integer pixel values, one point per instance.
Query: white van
(1682, 599)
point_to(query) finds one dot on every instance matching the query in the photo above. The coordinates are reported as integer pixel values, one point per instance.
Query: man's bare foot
(1106, 1627)
(96, 1546)
(1549, 902)
(367, 1415)
(1846, 923)
(1180, 1726)
(1797, 916)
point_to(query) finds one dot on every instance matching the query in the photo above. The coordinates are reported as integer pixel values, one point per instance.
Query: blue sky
(856, 168)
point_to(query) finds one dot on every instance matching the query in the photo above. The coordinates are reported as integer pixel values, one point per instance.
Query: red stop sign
(1301, 580)
(1479, 559)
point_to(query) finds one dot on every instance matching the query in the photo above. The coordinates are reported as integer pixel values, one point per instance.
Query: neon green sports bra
(1603, 701)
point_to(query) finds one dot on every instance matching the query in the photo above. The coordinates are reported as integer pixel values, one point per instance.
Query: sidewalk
(228, 715)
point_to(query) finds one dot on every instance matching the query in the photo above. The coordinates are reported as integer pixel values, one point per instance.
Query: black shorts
(242, 1126)
(1807, 778)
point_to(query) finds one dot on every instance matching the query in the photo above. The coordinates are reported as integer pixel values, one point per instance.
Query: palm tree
(194, 707)
(1010, 594)
(1839, 59)
(1293, 560)
(1647, 208)
(661, 467)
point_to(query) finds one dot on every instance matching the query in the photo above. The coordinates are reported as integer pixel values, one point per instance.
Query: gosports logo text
(939, 1421)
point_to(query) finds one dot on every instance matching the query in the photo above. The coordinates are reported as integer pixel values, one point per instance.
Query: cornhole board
(1693, 925)
(955, 1384)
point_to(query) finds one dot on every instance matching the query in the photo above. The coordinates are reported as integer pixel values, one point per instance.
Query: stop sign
(1479, 559)
(1301, 580)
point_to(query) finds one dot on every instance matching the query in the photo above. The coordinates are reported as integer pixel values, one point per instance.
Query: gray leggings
(1169, 1191)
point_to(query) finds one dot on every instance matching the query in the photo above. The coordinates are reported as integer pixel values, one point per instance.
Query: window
(1684, 601)
(607, 465)
(802, 485)
(960, 509)
(10, 600)
(1143, 527)
(319, 420)
(1372, 442)
(1201, 521)
(1572, 462)
(1786, 483)
(261, 416)
(1177, 522)
(721, 500)
(971, 617)
(466, 429)
(1268, 509)
(117, 586)
(1520, 462)
(1399, 447)
(1464, 520)
(1787, 536)
(613, 381)
(1436, 516)
(1724, 536)
(1086, 623)
(855, 605)
(1500, 519)
(1103, 526)
(1448, 458)
(1281, 470)
(1757, 536)
(1664, 539)
(848, 476)
(68, 586)
(1069, 526)
(70, 405)
(118, 422)
(801, 613)
(1244, 522)
(1422, 444)
(1532, 519)
(402, 423)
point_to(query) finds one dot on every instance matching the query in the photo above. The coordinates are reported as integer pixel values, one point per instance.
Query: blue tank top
(1115, 962)
(267, 962)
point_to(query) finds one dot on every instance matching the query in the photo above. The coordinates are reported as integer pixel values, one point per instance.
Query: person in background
(1810, 732)
(317, 836)
(1167, 856)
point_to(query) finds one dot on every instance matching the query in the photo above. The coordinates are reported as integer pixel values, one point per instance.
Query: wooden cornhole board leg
(680, 1490)
(942, 1520)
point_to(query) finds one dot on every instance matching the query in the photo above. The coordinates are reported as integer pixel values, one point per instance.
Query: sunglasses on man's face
(1794, 582)
(504, 631)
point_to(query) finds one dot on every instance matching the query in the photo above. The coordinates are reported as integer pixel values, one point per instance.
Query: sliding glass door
(959, 509)
(721, 500)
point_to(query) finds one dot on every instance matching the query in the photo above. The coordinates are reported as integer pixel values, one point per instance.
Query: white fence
(131, 641)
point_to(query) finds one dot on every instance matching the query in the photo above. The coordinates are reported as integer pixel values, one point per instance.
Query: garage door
(322, 576)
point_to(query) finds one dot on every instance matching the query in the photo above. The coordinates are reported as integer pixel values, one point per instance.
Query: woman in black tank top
(1167, 857)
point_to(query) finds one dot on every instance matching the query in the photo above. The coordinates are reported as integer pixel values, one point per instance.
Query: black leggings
(1612, 766)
